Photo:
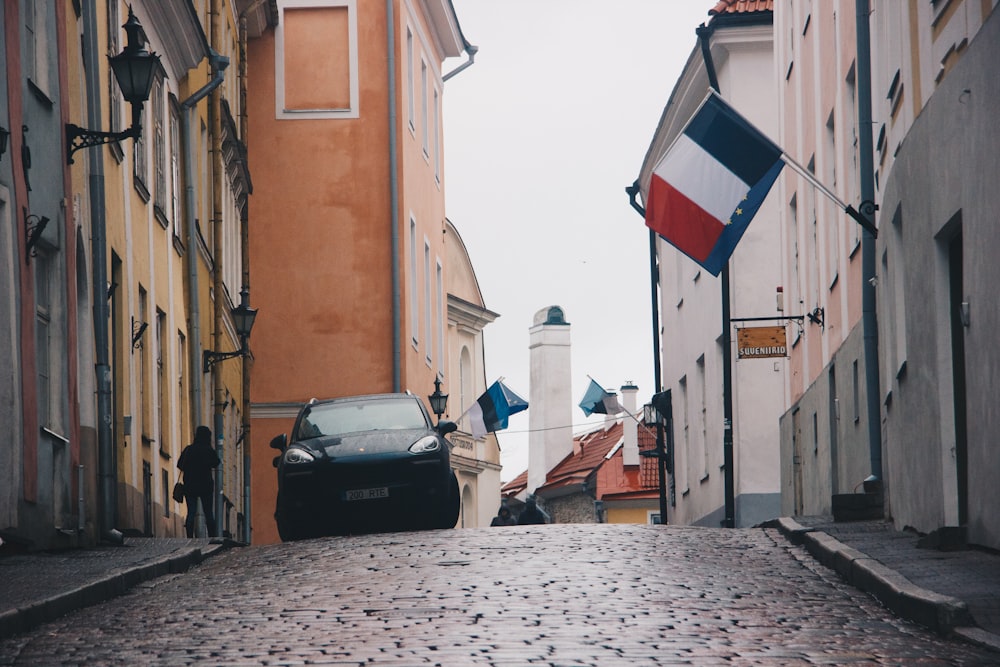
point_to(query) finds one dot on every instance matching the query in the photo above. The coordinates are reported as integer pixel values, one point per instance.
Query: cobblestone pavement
(528, 595)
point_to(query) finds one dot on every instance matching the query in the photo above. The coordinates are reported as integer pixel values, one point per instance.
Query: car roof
(362, 397)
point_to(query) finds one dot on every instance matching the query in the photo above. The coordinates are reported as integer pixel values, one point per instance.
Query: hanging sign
(761, 342)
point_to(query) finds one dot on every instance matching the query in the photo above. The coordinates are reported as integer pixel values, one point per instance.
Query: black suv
(364, 464)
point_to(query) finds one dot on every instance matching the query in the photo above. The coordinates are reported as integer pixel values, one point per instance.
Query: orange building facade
(347, 221)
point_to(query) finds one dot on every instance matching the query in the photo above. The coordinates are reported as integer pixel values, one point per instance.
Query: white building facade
(691, 304)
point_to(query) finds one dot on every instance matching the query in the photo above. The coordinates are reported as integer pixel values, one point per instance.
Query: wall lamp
(243, 319)
(816, 316)
(33, 227)
(134, 69)
(439, 401)
(4, 135)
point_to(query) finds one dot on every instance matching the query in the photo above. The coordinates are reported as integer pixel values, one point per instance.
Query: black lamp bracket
(33, 227)
(78, 137)
(208, 357)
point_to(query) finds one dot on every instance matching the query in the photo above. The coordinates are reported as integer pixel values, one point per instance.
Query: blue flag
(599, 401)
(490, 411)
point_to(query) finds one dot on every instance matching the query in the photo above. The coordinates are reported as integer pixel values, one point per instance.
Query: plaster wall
(824, 445)
(942, 185)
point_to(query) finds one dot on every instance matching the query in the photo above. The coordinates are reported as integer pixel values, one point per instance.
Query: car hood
(367, 443)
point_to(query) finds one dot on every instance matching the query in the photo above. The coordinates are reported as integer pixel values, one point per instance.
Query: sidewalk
(952, 592)
(38, 587)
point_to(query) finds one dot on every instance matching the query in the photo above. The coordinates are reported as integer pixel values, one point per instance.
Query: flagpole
(846, 208)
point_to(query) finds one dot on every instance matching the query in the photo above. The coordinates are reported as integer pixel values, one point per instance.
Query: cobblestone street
(542, 595)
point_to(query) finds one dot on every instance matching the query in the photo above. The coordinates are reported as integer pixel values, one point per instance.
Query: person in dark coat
(504, 517)
(197, 462)
(531, 513)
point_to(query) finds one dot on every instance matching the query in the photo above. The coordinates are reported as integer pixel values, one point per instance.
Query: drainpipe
(729, 477)
(868, 208)
(219, 64)
(390, 31)
(219, 401)
(245, 290)
(107, 464)
(471, 51)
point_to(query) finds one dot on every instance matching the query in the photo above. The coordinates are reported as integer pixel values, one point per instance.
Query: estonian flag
(490, 411)
(707, 188)
(599, 401)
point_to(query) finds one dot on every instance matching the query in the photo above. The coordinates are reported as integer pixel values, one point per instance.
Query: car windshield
(355, 416)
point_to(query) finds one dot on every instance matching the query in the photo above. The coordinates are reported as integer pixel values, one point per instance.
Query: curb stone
(942, 613)
(117, 582)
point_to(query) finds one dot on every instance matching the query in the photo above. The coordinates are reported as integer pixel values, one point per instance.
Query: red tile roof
(589, 452)
(515, 486)
(592, 451)
(741, 7)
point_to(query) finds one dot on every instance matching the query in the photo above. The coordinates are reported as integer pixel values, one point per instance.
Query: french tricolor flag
(707, 188)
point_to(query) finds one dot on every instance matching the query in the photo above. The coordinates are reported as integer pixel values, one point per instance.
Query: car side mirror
(279, 442)
(276, 460)
(446, 427)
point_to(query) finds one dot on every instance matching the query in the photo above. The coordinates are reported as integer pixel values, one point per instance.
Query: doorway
(957, 310)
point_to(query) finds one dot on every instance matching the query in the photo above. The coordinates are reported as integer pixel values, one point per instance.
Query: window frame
(282, 113)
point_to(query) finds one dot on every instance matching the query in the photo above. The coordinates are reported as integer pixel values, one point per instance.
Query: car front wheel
(451, 505)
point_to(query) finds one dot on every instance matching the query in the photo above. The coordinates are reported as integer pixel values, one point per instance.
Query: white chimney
(550, 417)
(630, 448)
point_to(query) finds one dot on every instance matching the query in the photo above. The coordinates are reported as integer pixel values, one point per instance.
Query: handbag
(178, 492)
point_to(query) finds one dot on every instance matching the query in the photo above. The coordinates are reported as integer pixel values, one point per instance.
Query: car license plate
(367, 494)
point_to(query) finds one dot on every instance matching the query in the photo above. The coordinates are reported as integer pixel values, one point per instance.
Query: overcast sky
(542, 135)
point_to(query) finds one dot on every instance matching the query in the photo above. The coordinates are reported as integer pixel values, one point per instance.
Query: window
(437, 137)
(316, 59)
(43, 338)
(162, 391)
(414, 290)
(36, 46)
(793, 236)
(439, 317)
(174, 214)
(832, 224)
(703, 416)
(115, 100)
(182, 402)
(423, 106)
(409, 78)
(815, 434)
(165, 489)
(140, 164)
(850, 106)
(145, 388)
(857, 391)
(428, 319)
(686, 431)
(161, 198)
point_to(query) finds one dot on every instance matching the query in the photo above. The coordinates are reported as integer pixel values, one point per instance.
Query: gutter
(106, 476)
(219, 64)
(471, 50)
(390, 53)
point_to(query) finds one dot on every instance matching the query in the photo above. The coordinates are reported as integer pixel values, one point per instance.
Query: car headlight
(428, 443)
(296, 455)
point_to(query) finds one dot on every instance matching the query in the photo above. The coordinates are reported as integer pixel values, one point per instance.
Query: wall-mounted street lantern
(33, 227)
(134, 70)
(439, 401)
(243, 319)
